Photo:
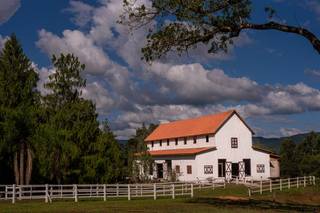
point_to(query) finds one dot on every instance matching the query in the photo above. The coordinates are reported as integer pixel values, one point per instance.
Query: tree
(309, 155)
(289, 159)
(18, 107)
(180, 25)
(104, 164)
(139, 161)
(69, 124)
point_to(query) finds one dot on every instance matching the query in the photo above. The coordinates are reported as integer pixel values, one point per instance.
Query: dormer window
(160, 143)
(207, 138)
(168, 142)
(234, 143)
(176, 141)
(185, 141)
(195, 140)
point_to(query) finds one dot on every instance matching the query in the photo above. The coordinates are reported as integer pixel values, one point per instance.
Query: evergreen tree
(105, 163)
(69, 124)
(18, 107)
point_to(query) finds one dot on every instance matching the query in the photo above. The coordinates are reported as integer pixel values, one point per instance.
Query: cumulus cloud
(82, 12)
(313, 73)
(7, 9)
(76, 42)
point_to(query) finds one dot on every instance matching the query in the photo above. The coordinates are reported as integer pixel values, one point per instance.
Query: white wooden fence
(48, 193)
(264, 186)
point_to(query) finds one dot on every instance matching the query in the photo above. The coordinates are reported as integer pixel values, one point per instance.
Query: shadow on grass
(251, 203)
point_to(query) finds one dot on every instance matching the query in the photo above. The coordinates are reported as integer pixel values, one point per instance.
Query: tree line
(57, 137)
(299, 159)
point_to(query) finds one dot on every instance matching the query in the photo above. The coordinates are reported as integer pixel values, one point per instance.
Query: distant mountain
(274, 143)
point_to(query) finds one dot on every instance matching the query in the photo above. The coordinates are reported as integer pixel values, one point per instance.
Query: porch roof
(179, 152)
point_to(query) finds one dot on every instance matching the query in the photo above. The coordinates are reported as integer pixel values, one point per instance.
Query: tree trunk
(15, 167)
(22, 151)
(28, 165)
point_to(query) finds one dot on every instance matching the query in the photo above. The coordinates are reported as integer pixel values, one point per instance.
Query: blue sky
(271, 78)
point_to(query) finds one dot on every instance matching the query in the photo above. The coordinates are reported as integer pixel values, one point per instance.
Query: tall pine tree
(70, 124)
(18, 106)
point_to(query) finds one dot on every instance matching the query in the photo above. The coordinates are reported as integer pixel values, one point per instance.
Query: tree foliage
(139, 161)
(301, 159)
(176, 25)
(18, 108)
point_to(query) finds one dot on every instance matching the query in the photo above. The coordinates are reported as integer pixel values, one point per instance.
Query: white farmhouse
(209, 147)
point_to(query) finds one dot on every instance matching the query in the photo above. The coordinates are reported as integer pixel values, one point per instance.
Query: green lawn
(232, 199)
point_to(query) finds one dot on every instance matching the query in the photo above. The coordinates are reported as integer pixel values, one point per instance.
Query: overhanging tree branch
(286, 28)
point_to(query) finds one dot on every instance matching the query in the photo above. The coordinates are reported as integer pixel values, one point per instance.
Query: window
(260, 168)
(234, 142)
(195, 140)
(207, 138)
(160, 143)
(168, 142)
(152, 144)
(185, 141)
(176, 141)
(177, 169)
(208, 169)
(189, 169)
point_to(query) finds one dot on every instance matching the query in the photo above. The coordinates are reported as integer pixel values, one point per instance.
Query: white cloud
(2, 41)
(82, 12)
(76, 42)
(7, 9)
(100, 96)
(286, 132)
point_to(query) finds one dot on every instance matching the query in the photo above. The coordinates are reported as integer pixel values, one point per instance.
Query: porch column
(165, 170)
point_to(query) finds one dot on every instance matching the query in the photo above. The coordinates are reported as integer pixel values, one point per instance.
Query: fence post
(288, 183)
(6, 193)
(75, 188)
(154, 191)
(249, 192)
(20, 193)
(297, 182)
(314, 180)
(270, 185)
(46, 193)
(140, 190)
(14, 193)
(117, 190)
(280, 184)
(104, 192)
(213, 185)
(129, 193)
(304, 181)
(173, 191)
(191, 189)
(261, 186)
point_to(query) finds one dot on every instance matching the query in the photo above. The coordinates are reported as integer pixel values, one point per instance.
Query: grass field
(232, 199)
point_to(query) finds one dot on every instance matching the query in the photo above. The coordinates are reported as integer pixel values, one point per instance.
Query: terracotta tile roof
(175, 152)
(208, 124)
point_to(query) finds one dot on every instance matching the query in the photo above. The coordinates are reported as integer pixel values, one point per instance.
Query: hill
(274, 143)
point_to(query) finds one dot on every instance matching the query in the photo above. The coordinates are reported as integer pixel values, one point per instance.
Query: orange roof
(191, 151)
(208, 124)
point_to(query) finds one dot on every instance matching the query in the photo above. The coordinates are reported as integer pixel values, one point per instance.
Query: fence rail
(263, 186)
(48, 193)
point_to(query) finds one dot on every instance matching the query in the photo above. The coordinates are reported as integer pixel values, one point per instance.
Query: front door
(221, 167)
(159, 170)
(247, 167)
(235, 170)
